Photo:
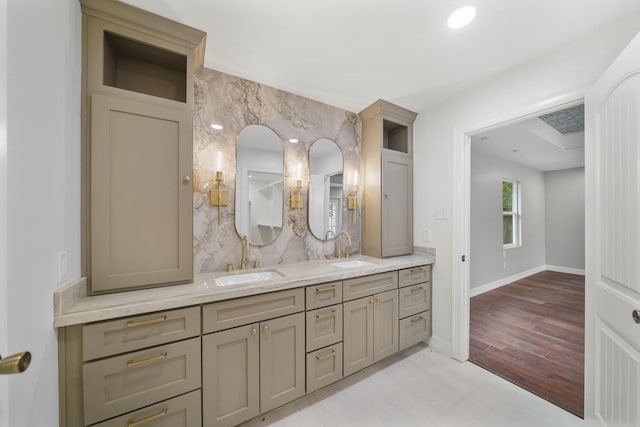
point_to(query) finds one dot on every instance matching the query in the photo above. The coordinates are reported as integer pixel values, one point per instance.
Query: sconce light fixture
(296, 193)
(219, 196)
(352, 199)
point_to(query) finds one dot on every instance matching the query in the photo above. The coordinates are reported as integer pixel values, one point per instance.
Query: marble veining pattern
(235, 103)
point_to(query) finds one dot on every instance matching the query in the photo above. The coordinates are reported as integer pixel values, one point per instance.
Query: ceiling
(349, 53)
(551, 142)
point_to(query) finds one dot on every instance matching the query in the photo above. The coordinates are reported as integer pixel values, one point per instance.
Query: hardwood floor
(531, 333)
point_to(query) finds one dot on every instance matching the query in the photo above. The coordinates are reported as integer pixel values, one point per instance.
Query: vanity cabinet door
(140, 195)
(230, 376)
(385, 325)
(282, 361)
(358, 334)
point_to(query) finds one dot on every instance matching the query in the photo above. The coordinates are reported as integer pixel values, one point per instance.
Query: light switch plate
(441, 213)
(63, 266)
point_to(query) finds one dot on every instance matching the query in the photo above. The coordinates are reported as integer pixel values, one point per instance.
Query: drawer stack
(415, 305)
(324, 335)
(142, 369)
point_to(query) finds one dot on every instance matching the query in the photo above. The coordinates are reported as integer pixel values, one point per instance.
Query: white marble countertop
(72, 306)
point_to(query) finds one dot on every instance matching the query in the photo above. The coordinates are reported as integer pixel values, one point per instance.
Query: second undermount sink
(352, 263)
(253, 277)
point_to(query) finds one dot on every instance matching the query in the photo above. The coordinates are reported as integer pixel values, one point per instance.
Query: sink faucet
(245, 252)
(339, 243)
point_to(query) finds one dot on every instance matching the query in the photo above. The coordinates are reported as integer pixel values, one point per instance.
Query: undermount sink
(352, 263)
(253, 277)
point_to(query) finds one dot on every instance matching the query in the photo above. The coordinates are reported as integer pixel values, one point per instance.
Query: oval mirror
(259, 194)
(325, 189)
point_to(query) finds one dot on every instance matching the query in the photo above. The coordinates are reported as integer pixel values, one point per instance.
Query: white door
(612, 342)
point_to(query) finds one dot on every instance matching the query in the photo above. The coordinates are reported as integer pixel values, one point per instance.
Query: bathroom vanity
(204, 354)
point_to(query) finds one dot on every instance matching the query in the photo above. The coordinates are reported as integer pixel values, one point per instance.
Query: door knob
(15, 364)
(636, 316)
(186, 179)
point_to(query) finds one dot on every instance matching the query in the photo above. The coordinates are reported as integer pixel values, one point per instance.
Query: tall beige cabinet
(387, 213)
(137, 146)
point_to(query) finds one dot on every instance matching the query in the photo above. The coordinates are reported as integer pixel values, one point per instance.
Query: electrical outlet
(441, 213)
(426, 235)
(63, 266)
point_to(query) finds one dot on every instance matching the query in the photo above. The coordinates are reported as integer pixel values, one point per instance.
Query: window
(510, 214)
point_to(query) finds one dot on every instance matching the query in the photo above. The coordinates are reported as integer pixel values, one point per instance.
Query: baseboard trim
(569, 270)
(502, 282)
(440, 345)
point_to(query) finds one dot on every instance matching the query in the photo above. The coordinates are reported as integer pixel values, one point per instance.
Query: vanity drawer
(415, 329)
(414, 299)
(324, 327)
(359, 287)
(181, 411)
(242, 311)
(324, 367)
(411, 276)
(135, 333)
(323, 295)
(130, 381)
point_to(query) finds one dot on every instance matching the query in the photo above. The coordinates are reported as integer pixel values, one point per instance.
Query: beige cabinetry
(387, 214)
(138, 368)
(370, 322)
(253, 368)
(415, 305)
(137, 146)
(324, 334)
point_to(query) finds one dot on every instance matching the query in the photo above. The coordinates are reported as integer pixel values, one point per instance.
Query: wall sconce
(296, 193)
(352, 199)
(218, 196)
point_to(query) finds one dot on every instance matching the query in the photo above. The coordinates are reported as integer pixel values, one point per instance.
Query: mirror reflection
(325, 189)
(259, 190)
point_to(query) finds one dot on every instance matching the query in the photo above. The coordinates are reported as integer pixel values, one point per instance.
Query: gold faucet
(339, 243)
(245, 252)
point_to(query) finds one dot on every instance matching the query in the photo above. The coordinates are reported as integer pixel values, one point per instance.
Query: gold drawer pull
(417, 319)
(332, 353)
(327, 289)
(134, 323)
(323, 315)
(133, 363)
(419, 288)
(132, 423)
(417, 270)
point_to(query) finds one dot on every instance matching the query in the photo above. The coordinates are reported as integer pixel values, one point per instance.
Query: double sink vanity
(231, 346)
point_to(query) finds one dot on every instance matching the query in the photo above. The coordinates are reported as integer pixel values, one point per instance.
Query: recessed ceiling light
(484, 138)
(293, 140)
(217, 126)
(461, 17)
(515, 150)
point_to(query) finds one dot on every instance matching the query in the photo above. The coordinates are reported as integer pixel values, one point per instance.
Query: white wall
(564, 206)
(489, 262)
(571, 66)
(43, 197)
(4, 344)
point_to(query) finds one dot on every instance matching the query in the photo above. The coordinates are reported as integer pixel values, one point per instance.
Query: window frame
(515, 213)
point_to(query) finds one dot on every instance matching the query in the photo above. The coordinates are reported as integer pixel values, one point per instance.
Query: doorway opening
(488, 269)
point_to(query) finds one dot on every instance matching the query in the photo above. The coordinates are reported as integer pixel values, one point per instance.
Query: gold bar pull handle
(134, 323)
(133, 363)
(323, 315)
(419, 288)
(133, 423)
(417, 270)
(417, 319)
(15, 364)
(326, 356)
(327, 289)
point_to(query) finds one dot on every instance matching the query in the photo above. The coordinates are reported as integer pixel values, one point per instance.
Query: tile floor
(421, 387)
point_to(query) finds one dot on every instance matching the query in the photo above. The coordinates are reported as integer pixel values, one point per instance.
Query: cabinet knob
(265, 328)
(186, 179)
(386, 195)
(636, 316)
(371, 301)
(254, 331)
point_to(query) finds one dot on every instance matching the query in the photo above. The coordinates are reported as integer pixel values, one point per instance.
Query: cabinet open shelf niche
(143, 68)
(395, 136)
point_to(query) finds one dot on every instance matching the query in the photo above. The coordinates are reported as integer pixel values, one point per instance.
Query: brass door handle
(133, 423)
(15, 364)
(327, 289)
(265, 328)
(133, 363)
(186, 179)
(323, 315)
(135, 323)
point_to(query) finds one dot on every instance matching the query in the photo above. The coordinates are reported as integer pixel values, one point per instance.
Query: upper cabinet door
(140, 195)
(397, 204)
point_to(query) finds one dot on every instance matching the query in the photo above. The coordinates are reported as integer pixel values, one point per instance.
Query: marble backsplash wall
(235, 103)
